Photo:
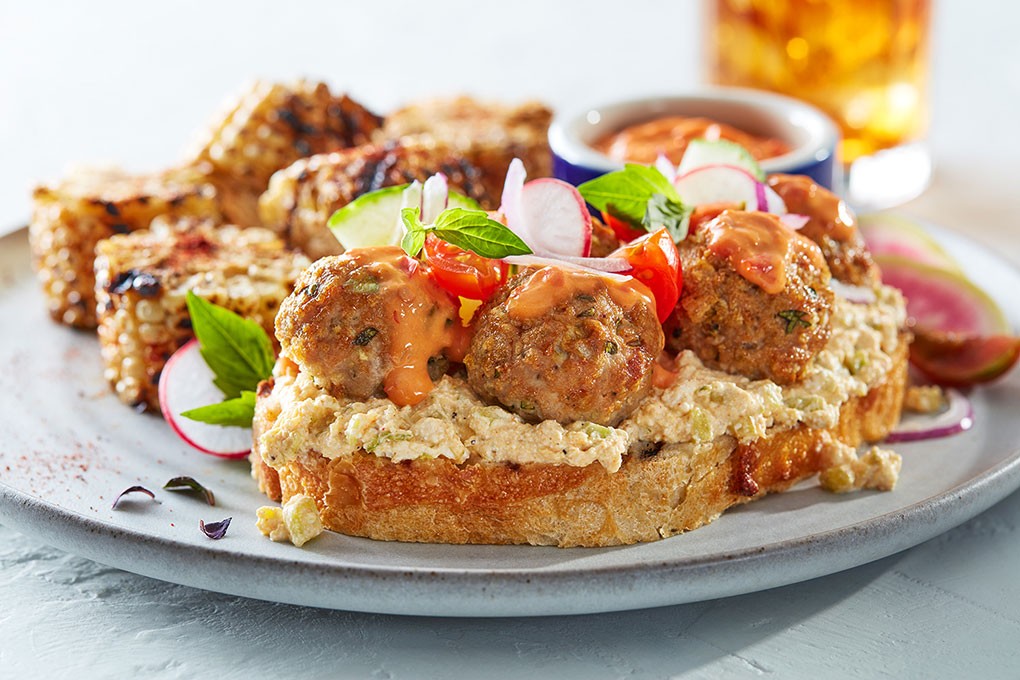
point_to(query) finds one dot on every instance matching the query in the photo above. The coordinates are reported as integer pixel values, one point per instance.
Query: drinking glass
(863, 62)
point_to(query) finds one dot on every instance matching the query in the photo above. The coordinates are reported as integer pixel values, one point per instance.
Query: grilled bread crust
(650, 497)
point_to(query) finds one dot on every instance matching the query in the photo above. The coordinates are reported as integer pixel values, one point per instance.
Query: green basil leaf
(664, 212)
(237, 412)
(625, 194)
(237, 350)
(474, 230)
(414, 237)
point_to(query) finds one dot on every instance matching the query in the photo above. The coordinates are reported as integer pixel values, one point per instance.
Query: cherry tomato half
(462, 272)
(623, 231)
(655, 262)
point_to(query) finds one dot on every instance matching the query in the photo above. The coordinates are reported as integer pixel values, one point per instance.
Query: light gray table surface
(114, 81)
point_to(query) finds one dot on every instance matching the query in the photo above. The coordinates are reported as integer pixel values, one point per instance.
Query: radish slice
(727, 184)
(957, 417)
(602, 266)
(187, 383)
(556, 218)
(434, 197)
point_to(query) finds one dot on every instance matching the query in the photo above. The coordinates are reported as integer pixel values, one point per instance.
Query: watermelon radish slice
(893, 235)
(941, 300)
(962, 360)
(187, 383)
(727, 184)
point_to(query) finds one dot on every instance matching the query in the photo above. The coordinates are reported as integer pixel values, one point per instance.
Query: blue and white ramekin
(810, 134)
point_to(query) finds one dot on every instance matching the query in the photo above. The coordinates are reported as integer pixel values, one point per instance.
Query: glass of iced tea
(864, 62)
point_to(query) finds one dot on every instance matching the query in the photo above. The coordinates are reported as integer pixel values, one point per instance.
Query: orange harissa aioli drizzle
(756, 244)
(553, 286)
(424, 324)
(827, 210)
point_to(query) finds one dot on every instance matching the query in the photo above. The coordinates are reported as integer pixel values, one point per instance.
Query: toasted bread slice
(652, 495)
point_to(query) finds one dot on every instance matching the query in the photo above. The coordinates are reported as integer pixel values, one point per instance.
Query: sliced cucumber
(702, 152)
(373, 219)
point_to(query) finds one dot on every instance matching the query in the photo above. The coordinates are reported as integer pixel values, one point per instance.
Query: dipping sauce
(670, 135)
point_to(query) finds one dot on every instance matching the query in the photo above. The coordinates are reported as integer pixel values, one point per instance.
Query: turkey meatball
(367, 323)
(567, 345)
(756, 298)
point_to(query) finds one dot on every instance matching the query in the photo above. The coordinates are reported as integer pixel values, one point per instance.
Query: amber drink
(864, 62)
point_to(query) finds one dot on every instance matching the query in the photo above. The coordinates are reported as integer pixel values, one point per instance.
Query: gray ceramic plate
(67, 448)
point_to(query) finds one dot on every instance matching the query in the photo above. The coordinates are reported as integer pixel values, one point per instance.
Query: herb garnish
(190, 484)
(642, 197)
(471, 230)
(240, 355)
(794, 318)
(132, 489)
(215, 530)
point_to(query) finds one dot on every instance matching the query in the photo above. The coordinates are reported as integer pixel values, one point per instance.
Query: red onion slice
(603, 266)
(859, 295)
(510, 204)
(434, 196)
(957, 417)
(793, 220)
(763, 201)
(666, 167)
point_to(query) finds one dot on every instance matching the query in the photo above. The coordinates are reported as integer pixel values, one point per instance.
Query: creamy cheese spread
(701, 405)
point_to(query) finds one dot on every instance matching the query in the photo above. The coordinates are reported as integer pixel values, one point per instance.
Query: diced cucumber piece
(702, 152)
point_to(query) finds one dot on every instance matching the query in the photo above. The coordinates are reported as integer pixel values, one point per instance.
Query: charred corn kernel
(486, 134)
(876, 469)
(301, 517)
(270, 523)
(141, 282)
(70, 217)
(297, 521)
(267, 128)
(301, 198)
(924, 398)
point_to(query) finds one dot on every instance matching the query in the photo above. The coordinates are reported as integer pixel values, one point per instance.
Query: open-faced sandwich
(489, 380)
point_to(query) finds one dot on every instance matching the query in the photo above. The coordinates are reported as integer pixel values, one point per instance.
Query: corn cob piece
(141, 283)
(71, 216)
(301, 198)
(487, 134)
(269, 127)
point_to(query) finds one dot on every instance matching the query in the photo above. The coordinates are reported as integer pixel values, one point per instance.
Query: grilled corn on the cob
(141, 283)
(301, 198)
(487, 134)
(70, 217)
(269, 127)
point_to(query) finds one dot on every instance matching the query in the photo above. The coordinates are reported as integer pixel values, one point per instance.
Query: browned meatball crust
(831, 225)
(366, 323)
(756, 298)
(566, 345)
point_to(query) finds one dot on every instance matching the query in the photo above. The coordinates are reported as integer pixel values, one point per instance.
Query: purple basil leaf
(132, 489)
(190, 483)
(215, 530)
